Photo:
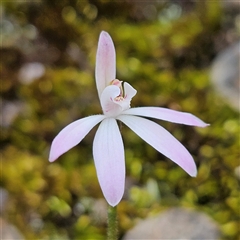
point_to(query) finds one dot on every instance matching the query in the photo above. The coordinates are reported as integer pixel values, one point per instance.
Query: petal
(162, 141)
(109, 106)
(129, 91)
(108, 154)
(72, 134)
(167, 115)
(105, 70)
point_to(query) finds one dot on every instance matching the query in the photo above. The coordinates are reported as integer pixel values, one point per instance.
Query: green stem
(112, 230)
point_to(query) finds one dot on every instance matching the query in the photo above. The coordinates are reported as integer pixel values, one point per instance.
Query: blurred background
(183, 55)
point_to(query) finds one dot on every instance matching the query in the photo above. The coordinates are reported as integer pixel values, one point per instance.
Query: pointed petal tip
(104, 32)
(105, 36)
(190, 169)
(113, 203)
(197, 122)
(194, 174)
(51, 159)
(201, 124)
(52, 156)
(113, 196)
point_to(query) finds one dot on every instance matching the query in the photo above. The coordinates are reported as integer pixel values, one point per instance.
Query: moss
(167, 61)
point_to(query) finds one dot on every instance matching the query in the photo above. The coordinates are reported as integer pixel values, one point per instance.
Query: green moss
(167, 59)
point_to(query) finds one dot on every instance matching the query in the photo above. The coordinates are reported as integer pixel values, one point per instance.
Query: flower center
(116, 97)
(119, 98)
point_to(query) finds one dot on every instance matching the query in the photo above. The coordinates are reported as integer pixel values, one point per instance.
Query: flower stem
(112, 231)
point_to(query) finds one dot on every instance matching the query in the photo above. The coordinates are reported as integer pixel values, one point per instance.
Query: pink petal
(72, 134)
(105, 70)
(162, 141)
(167, 115)
(108, 153)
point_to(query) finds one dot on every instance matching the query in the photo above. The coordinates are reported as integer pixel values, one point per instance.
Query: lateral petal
(72, 134)
(105, 70)
(108, 154)
(162, 141)
(167, 115)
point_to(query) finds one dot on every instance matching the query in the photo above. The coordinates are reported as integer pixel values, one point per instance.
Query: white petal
(129, 91)
(167, 115)
(109, 105)
(161, 140)
(72, 134)
(108, 153)
(105, 70)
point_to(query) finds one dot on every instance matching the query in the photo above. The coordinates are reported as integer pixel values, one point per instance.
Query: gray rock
(9, 232)
(237, 172)
(30, 72)
(9, 111)
(225, 75)
(3, 200)
(176, 223)
(230, 4)
(99, 210)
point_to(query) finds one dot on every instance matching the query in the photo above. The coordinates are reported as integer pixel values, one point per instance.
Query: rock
(4, 199)
(176, 223)
(30, 72)
(9, 232)
(230, 4)
(99, 211)
(9, 111)
(237, 172)
(225, 74)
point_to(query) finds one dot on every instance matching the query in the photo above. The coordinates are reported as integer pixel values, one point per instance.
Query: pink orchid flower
(108, 149)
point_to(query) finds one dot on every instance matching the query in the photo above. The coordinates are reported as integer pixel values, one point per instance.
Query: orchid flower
(108, 150)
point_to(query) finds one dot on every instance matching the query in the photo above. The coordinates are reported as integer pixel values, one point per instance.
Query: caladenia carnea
(108, 150)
